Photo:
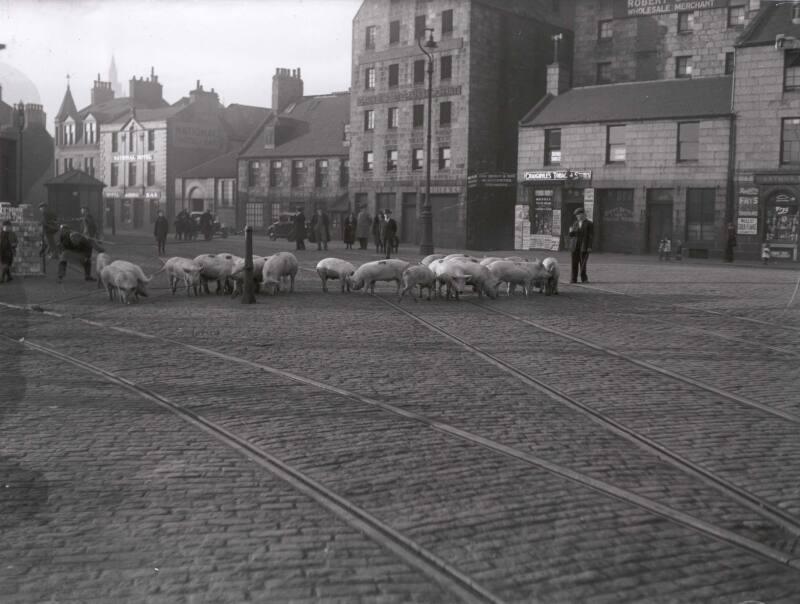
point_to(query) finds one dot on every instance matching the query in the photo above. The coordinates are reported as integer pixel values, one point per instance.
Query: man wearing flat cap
(389, 233)
(581, 234)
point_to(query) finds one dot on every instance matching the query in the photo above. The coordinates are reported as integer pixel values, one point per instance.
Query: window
(729, 62)
(683, 67)
(605, 29)
(321, 174)
(253, 168)
(736, 16)
(226, 192)
(447, 23)
(790, 141)
(391, 160)
(444, 158)
(615, 147)
(603, 73)
(394, 118)
(298, 167)
(445, 113)
(419, 116)
(369, 78)
(419, 72)
(419, 27)
(114, 142)
(394, 32)
(89, 133)
(369, 37)
(58, 162)
(114, 175)
(700, 213)
(446, 68)
(417, 158)
(70, 134)
(791, 70)
(344, 172)
(369, 161)
(275, 173)
(685, 22)
(68, 164)
(131, 174)
(369, 120)
(552, 147)
(88, 165)
(151, 140)
(688, 141)
(394, 75)
(151, 173)
(130, 141)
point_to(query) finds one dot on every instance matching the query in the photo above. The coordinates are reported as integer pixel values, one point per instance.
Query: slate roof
(67, 107)
(241, 120)
(74, 177)
(222, 166)
(321, 120)
(772, 19)
(115, 109)
(635, 101)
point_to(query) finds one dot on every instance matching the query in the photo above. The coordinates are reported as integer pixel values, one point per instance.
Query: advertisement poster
(542, 220)
(747, 226)
(748, 201)
(521, 226)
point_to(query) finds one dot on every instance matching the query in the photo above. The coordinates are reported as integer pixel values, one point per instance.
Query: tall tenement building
(489, 69)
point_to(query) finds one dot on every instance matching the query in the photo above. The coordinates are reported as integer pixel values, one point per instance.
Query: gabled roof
(635, 101)
(67, 108)
(222, 166)
(240, 120)
(772, 19)
(74, 177)
(116, 109)
(315, 127)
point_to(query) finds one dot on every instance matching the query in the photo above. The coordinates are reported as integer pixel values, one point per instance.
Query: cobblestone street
(633, 439)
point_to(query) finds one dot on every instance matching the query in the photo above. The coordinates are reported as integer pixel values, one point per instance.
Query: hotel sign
(646, 8)
(132, 157)
(557, 175)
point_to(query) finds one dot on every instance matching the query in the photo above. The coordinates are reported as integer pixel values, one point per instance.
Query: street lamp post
(426, 243)
(20, 121)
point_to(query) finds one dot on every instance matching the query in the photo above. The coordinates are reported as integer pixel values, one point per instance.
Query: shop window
(791, 70)
(417, 159)
(444, 158)
(391, 160)
(552, 147)
(736, 16)
(447, 23)
(603, 73)
(446, 68)
(275, 173)
(393, 117)
(298, 169)
(394, 32)
(685, 22)
(700, 214)
(615, 144)
(394, 75)
(790, 140)
(688, 141)
(419, 116)
(369, 120)
(445, 113)
(321, 174)
(781, 218)
(605, 29)
(683, 67)
(419, 72)
(369, 161)
(369, 37)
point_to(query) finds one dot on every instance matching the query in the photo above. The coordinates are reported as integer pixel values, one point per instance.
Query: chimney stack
(101, 91)
(146, 92)
(287, 88)
(34, 116)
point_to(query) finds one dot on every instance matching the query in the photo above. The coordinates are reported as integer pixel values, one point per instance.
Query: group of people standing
(383, 229)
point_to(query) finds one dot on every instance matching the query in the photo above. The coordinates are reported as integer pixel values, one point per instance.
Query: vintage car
(283, 227)
(217, 229)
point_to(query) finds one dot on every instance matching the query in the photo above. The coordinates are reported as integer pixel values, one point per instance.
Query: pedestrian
(581, 234)
(730, 241)
(8, 249)
(88, 225)
(350, 231)
(363, 224)
(160, 230)
(49, 229)
(300, 230)
(321, 227)
(377, 228)
(206, 225)
(75, 248)
(664, 248)
(766, 253)
(389, 233)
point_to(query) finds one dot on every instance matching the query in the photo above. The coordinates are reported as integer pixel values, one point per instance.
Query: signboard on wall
(543, 221)
(747, 226)
(557, 175)
(748, 201)
(646, 8)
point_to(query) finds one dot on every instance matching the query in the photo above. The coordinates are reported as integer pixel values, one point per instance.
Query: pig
(379, 270)
(137, 272)
(516, 273)
(488, 260)
(182, 270)
(237, 274)
(515, 259)
(417, 275)
(553, 273)
(479, 276)
(334, 268)
(428, 259)
(216, 267)
(102, 261)
(276, 269)
(121, 279)
(450, 275)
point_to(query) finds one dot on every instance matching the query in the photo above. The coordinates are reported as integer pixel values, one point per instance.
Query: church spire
(112, 77)
(67, 106)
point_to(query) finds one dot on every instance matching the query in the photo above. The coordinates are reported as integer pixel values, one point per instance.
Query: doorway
(138, 213)
(408, 230)
(659, 217)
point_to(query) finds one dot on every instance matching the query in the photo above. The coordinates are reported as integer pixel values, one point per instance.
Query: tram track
(787, 558)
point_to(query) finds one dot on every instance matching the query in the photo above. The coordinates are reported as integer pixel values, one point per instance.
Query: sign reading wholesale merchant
(644, 8)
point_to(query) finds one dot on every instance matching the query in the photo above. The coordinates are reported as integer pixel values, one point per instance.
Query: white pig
(334, 268)
(553, 273)
(183, 270)
(514, 273)
(276, 269)
(237, 274)
(428, 259)
(216, 267)
(102, 261)
(379, 270)
(450, 275)
(417, 275)
(122, 280)
(137, 272)
(479, 276)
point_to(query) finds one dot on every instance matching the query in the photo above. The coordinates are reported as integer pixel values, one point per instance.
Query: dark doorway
(408, 230)
(445, 221)
(659, 217)
(614, 221)
(138, 213)
(198, 205)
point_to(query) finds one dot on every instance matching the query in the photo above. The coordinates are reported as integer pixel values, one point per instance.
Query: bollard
(248, 295)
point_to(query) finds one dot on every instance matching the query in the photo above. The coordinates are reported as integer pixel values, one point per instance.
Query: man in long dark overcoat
(581, 234)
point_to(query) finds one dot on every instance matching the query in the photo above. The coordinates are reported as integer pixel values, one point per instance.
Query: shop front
(133, 210)
(768, 213)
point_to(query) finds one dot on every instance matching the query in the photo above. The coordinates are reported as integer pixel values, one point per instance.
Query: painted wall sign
(132, 157)
(500, 179)
(748, 206)
(557, 175)
(644, 8)
(776, 179)
(747, 226)
(414, 94)
(187, 134)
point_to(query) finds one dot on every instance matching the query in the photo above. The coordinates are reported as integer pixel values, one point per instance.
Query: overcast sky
(233, 46)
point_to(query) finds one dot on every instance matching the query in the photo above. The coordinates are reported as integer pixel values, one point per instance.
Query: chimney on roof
(558, 75)
(146, 92)
(287, 88)
(101, 91)
(204, 100)
(34, 116)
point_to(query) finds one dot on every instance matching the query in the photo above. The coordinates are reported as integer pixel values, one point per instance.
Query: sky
(233, 46)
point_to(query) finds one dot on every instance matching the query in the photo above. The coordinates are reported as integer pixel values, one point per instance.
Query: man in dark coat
(581, 234)
(88, 225)
(160, 230)
(389, 233)
(730, 241)
(300, 230)
(206, 224)
(8, 249)
(49, 229)
(75, 248)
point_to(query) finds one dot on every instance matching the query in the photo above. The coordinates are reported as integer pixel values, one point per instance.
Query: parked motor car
(283, 227)
(217, 228)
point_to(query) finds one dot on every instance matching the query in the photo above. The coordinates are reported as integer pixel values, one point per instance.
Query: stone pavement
(112, 498)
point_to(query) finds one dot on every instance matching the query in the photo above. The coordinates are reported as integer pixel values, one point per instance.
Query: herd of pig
(440, 274)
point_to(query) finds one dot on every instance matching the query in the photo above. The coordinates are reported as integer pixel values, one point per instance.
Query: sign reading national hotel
(643, 8)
